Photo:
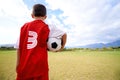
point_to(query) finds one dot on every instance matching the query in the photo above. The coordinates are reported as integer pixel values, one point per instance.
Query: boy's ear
(45, 17)
(32, 15)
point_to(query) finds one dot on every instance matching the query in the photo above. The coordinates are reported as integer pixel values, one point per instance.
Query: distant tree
(6, 48)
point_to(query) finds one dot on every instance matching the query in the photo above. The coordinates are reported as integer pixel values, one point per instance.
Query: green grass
(70, 65)
(7, 65)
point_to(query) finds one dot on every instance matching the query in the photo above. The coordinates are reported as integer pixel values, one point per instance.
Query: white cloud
(85, 21)
(91, 20)
(13, 14)
(14, 8)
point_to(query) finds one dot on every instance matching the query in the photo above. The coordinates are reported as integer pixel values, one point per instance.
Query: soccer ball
(54, 44)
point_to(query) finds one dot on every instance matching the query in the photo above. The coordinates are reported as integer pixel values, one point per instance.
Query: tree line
(69, 49)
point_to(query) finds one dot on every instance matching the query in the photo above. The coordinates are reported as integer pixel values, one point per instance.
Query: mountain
(7, 45)
(95, 45)
(113, 44)
(101, 45)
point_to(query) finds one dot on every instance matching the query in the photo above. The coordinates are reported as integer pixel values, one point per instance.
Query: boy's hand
(60, 49)
(64, 37)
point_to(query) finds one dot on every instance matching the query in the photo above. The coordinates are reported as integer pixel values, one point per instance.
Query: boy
(32, 60)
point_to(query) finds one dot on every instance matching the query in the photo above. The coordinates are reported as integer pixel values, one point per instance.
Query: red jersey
(33, 49)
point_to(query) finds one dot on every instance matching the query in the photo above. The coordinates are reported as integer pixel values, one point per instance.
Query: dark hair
(39, 10)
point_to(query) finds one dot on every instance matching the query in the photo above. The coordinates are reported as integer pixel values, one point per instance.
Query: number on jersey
(32, 39)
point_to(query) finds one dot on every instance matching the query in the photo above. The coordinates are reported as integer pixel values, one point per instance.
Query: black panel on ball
(54, 45)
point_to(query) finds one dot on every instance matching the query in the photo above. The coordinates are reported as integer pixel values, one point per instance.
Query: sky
(84, 21)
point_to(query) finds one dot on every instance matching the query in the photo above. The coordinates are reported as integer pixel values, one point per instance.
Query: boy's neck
(39, 18)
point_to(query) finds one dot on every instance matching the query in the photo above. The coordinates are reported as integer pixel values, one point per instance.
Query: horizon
(95, 45)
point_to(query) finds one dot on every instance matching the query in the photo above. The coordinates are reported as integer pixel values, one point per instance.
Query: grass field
(70, 65)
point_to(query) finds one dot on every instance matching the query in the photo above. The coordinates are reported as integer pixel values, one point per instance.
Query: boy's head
(39, 10)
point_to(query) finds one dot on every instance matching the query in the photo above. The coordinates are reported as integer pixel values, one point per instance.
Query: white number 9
(32, 40)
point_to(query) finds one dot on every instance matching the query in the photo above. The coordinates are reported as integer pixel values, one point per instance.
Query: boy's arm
(64, 39)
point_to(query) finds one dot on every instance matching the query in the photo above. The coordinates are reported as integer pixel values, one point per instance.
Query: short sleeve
(55, 32)
(16, 46)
